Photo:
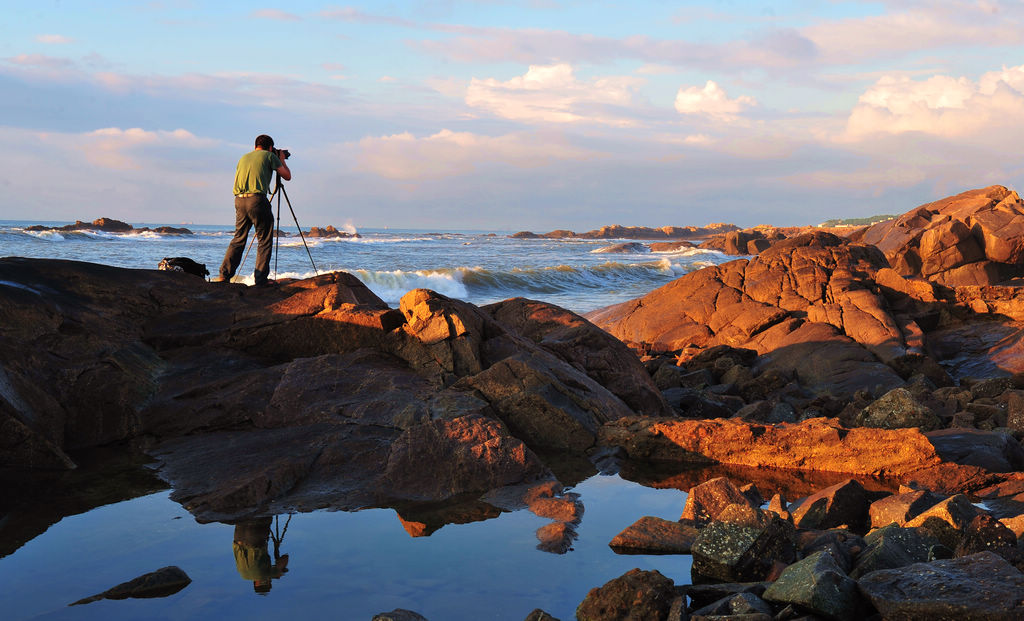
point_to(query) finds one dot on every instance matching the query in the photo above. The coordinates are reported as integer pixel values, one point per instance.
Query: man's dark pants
(251, 211)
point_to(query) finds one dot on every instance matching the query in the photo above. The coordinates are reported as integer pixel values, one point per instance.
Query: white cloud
(123, 149)
(553, 94)
(447, 153)
(276, 15)
(53, 39)
(712, 101)
(953, 108)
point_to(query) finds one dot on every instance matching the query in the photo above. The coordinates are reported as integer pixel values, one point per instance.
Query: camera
(282, 153)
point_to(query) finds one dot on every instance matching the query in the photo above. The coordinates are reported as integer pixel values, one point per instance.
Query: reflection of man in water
(252, 557)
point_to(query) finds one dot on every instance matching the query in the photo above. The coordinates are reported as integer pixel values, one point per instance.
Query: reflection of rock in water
(423, 519)
(556, 537)
(160, 583)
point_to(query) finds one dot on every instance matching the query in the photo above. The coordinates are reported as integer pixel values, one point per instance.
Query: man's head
(264, 142)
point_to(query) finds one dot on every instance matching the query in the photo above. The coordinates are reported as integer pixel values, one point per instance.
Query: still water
(341, 565)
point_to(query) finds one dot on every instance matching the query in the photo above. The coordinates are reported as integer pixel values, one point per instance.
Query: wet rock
(979, 586)
(738, 604)
(745, 551)
(844, 504)
(898, 409)
(634, 595)
(901, 508)
(991, 387)
(819, 585)
(702, 595)
(652, 535)
(891, 547)
(706, 502)
(399, 614)
(160, 583)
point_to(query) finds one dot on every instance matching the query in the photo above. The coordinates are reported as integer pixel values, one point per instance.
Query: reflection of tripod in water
(279, 191)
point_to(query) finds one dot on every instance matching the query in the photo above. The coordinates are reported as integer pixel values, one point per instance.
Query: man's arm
(284, 171)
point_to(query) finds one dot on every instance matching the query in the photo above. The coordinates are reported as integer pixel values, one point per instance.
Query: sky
(510, 115)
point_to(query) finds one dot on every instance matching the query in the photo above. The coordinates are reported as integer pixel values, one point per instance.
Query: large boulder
(817, 584)
(745, 545)
(973, 238)
(634, 595)
(801, 293)
(979, 586)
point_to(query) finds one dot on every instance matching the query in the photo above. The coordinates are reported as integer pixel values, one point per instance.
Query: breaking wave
(480, 283)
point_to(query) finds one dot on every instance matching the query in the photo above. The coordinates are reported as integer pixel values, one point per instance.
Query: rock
(738, 604)
(160, 583)
(750, 303)
(539, 615)
(702, 595)
(985, 533)
(582, 344)
(813, 445)
(891, 547)
(979, 586)
(706, 502)
(947, 520)
(973, 238)
(329, 232)
(843, 545)
(844, 504)
(742, 552)
(819, 585)
(624, 248)
(398, 614)
(670, 246)
(634, 595)
(991, 387)
(898, 409)
(993, 451)
(652, 535)
(901, 508)
(919, 364)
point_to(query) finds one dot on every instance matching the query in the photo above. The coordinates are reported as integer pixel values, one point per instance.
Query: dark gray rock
(979, 586)
(818, 584)
(399, 614)
(746, 551)
(992, 450)
(898, 409)
(842, 504)
(901, 508)
(160, 583)
(738, 604)
(539, 615)
(891, 547)
(704, 594)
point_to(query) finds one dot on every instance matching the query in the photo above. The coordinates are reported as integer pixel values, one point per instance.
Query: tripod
(279, 191)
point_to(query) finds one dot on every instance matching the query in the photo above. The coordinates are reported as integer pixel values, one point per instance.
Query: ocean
(475, 266)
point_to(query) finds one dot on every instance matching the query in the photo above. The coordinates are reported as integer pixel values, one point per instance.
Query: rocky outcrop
(973, 238)
(309, 394)
(616, 231)
(790, 301)
(160, 583)
(330, 232)
(110, 225)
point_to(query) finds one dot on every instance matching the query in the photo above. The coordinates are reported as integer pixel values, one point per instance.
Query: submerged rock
(160, 583)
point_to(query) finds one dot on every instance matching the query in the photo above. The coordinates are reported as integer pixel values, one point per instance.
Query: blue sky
(511, 115)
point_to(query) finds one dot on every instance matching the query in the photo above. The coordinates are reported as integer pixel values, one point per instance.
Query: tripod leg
(308, 253)
(276, 231)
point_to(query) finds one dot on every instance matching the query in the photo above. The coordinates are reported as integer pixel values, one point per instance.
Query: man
(252, 209)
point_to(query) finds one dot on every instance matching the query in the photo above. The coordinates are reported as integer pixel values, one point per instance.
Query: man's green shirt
(252, 176)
